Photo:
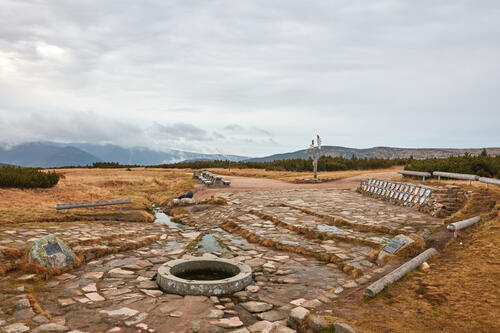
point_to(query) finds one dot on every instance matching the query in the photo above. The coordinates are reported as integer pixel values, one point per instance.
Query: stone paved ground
(306, 248)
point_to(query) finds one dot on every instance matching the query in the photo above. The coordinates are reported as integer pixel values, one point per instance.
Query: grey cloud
(343, 68)
(183, 131)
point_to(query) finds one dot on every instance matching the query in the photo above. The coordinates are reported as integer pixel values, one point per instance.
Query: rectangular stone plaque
(52, 248)
(393, 246)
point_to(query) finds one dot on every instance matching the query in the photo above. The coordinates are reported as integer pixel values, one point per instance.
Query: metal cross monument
(315, 153)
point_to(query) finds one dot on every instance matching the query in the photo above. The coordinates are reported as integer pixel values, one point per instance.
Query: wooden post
(398, 273)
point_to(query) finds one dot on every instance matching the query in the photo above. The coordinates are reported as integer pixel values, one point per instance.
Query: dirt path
(247, 184)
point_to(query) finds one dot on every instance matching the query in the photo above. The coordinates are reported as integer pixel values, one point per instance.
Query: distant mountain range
(378, 152)
(51, 154)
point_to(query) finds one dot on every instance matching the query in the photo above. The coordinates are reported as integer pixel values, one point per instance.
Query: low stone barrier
(436, 201)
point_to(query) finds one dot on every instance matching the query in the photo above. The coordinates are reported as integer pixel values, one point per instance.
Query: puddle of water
(163, 218)
(209, 244)
(332, 229)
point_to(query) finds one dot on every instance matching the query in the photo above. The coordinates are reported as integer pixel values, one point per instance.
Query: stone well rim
(165, 270)
(170, 283)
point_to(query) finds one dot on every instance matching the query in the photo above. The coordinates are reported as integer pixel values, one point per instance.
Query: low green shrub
(27, 178)
(483, 165)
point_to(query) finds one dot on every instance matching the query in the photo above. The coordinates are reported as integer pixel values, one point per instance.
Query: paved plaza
(306, 247)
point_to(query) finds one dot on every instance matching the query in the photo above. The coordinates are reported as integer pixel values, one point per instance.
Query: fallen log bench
(398, 273)
(489, 181)
(453, 175)
(453, 227)
(414, 173)
(86, 204)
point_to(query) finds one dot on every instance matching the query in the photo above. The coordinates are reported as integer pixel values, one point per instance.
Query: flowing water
(209, 244)
(163, 218)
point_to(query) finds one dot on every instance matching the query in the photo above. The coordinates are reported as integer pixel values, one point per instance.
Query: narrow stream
(163, 218)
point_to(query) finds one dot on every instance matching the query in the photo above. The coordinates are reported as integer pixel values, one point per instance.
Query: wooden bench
(71, 205)
(453, 175)
(414, 173)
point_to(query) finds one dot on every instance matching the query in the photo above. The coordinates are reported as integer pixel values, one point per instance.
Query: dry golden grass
(459, 293)
(144, 186)
(290, 176)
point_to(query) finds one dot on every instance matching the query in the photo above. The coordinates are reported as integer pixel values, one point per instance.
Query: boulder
(51, 252)
(188, 194)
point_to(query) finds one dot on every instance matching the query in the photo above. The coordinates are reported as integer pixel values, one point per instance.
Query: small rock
(284, 329)
(95, 297)
(350, 284)
(425, 265)
(16, 328)
(21, 303)
(176, 314)
(24, 314)
(312, 304)
(261, 327)
(316, 322)
(51, 327)
(298, 314)
(90, 288)
(215, 314)
(123, 312)
(148, 284)
(338, 290)
(252, 289)
(140, 317)
(272, 315)
(254, 307)
(39, 319)
(343, 328)
(299, 301)
(233, 322)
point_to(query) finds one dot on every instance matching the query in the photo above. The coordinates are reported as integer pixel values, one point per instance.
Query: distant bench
(209, 179)
(453, 175)
(71, 205)
(414, 173)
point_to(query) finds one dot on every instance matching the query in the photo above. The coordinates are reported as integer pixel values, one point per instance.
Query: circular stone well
(203, 276)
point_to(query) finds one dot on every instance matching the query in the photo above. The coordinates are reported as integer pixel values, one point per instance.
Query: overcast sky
(251, 77)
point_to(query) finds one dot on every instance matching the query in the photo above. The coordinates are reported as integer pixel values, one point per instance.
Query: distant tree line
(482, 165)
(27, 177)
(325, 163)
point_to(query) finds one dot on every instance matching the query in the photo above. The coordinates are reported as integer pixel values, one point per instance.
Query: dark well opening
(205, 270)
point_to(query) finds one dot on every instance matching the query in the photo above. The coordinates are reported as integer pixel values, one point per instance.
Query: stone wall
(438, 201)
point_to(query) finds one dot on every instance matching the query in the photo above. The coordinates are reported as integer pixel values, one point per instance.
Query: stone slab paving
(115, 291)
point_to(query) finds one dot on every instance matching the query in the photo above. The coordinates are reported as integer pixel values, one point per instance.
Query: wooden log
(398, 273)
(463, 224)
(414, 173)
(489, 181)
(455, 175)
(92, 204)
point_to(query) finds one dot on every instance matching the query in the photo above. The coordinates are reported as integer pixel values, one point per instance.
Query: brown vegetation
(144, 186)
(459, 293)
